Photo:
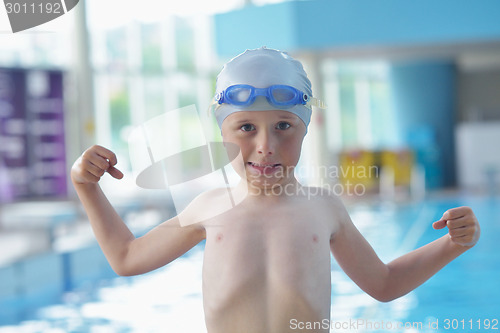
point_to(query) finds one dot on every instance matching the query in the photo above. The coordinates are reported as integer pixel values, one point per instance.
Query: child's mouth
(265, 168)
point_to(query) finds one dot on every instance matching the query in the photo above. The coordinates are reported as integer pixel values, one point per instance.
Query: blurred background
(413, 95)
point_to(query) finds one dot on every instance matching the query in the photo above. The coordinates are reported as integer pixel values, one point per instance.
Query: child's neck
(278, 191)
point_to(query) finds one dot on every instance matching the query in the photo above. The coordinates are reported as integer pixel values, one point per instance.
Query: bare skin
(259, 259)
(267, 260)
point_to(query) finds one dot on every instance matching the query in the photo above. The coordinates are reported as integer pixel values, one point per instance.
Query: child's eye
(247, 127)
(282, 125)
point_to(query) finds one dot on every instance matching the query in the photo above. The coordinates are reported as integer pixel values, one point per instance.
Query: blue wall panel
(252, 27)
(424, 95)
(327, 24)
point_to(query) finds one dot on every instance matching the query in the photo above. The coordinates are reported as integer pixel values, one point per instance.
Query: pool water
(463, 297)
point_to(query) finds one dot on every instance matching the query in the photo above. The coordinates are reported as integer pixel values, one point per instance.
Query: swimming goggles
(281, 96)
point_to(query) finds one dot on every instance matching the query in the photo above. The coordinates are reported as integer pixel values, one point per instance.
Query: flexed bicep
(358, 259)
(163, 244)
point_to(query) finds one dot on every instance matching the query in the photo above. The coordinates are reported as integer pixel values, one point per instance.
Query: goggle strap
(313, 101)
(211, 106)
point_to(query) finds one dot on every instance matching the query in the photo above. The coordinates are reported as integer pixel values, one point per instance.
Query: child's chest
(272, 235)
(286, 251)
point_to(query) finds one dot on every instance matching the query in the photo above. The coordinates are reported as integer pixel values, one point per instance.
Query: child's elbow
(385, 296)
(129, 269)
(121, 269)
(123, 272)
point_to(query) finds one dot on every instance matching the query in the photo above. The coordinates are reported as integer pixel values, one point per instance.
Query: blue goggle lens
(239, 95)
(283, 96)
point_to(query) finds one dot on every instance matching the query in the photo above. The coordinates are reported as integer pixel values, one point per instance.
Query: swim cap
(262, 68)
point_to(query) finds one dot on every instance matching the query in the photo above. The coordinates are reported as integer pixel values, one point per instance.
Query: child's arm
(126, 254)
(386, 282)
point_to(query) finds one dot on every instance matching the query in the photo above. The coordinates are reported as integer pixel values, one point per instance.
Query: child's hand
(93, 163)
(462, 225)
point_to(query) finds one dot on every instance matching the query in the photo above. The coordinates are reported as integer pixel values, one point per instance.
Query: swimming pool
(463, 297)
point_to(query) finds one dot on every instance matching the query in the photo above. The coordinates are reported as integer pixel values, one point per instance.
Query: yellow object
(358, 167)
(401, 162)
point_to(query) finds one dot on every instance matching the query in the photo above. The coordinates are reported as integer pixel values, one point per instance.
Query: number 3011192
(479, 324)
(32, 8)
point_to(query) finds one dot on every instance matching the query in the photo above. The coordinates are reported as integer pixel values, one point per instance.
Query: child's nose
(265, 143)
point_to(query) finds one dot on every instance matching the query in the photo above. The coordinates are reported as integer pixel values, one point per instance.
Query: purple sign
(32, 149)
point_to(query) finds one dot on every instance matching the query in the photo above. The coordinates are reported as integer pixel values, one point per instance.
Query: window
(359, 110)
(144, 69)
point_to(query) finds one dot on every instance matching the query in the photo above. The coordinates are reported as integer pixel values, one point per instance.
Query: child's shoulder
(322, 197)
(211, 195)
(208, 204)
(324, 205)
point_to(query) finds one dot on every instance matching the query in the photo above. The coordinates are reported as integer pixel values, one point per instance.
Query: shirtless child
(267, 260)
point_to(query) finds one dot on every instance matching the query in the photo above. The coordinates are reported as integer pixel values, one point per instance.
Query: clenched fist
(93, 163)
(462, 224)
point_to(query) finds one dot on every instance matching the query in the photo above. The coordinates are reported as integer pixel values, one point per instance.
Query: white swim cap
(262, 68)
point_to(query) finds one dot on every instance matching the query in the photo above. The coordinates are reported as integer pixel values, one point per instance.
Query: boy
(267, 260)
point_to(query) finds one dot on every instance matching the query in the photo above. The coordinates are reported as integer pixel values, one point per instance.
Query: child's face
(270, 143)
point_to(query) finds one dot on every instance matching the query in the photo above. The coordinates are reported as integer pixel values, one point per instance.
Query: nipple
(315, 238)
(219, 237)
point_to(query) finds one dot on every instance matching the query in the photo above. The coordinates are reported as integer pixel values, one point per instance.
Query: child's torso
(266, 265)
